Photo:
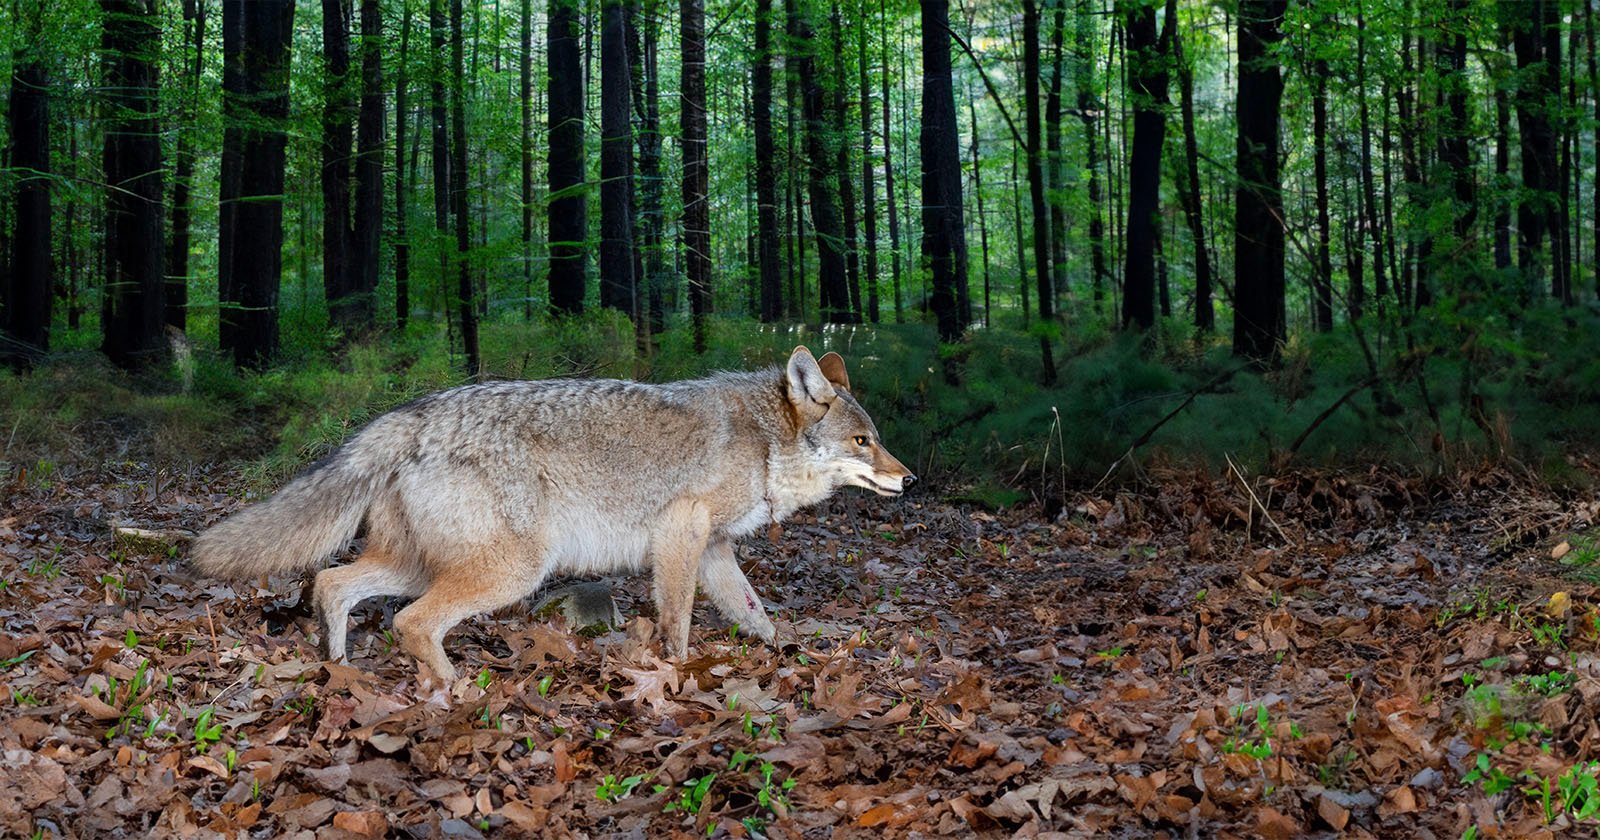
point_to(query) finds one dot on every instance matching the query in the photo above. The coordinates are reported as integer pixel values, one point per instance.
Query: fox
(472, 497)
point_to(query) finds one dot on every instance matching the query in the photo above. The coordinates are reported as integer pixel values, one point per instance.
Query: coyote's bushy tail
(312, 517)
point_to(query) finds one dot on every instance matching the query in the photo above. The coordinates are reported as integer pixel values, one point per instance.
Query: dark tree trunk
(1258, 324)
(1147, 56)
(402, 186)
(847, 198)
(888, 173)
(1041, 212)
(1016, 223)
(616, 160)
(439, 116)
(944, 245)
(766, 169)
(650, 183)
(568, 221)
(1055, 173)
(25, 302)
(832, 281)
(1369, 201)
(1455, 152)
(134, 284)
(696, 167)
(465, 290)
(525, 141)
(1409, 275)
(1088, 110)
(1322, 281)
(177, 267)
(868, 188)
(1594, 93)
(256, 35)
(977, 194)
(1536, 27)
(1205, 318)
(367, 228)
(338, 121)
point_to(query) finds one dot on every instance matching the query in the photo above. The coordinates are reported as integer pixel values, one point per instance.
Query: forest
(1248, 352)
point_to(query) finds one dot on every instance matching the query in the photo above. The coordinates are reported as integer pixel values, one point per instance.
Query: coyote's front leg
(675, 550)
(725, 584)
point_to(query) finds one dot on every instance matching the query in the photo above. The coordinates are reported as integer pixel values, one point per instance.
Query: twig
(1150, 432)
(1254, 498)
(1326, 413)
(216, 648)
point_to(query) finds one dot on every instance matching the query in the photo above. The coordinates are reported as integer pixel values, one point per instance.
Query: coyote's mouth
(881, 490)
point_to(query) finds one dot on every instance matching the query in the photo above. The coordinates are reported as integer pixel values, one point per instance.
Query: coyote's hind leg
(376, 572)
(482, 580)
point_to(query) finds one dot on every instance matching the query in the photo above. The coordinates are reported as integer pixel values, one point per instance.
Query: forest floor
(1368, 654)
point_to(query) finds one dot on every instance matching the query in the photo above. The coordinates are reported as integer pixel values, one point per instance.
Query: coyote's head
(840, 441)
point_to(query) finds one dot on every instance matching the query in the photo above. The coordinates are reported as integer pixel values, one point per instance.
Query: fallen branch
(1256, 499)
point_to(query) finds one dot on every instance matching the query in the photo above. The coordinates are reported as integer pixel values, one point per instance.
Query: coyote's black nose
(905, 483)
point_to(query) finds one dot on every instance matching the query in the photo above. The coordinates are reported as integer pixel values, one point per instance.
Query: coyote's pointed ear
(809, 389)
(832, 365)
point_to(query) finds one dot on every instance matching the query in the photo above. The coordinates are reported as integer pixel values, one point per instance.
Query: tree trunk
(402, 186)
(177, 267)
(616, 160)
(1041, 212)
(944, 247)
(1022, 240)
(568, 222)
(1594, 93)
(133, 313)
(826, 221)
(1538, 66)
(367, 225)
(1373, 226)
(1322, 280)
(1259, 319)
(847, 198)
(338, 123)
(458, 194)
(1455, 133)
(1205, 318)
(766, 169)
(256, 35)
(696, 168)
(438, 32)
(888, 172)
(25, 302)
(1148, 88)
(650, 183)
(1089, 109)
(977, 194)
(868, 188)
(1055, 172)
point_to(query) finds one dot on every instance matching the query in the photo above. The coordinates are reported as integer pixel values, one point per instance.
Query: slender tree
(977, 194)
(766, 168)
(1089, 111)
(888, 170)
(1536, 27)
(568, 208)
(338, 133)
(132, 310)
(822, 182)
(696, 166)
(1041, 212)
(651, 188)
(366, 243)
(1369, 201)
(869, 190)
(177, 264)
(944, 245)
(847, 198)
(1148, 87)
(256, 35)
(525, 142)
(1205, 319)
(439, 120)
(616, 160)
(465, 289)
(1322, 277)
(1259, 318)
(1055, 170)
(402, 184)
(25, 295)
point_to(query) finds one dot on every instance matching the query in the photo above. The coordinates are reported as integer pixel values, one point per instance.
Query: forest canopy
(1384, 211)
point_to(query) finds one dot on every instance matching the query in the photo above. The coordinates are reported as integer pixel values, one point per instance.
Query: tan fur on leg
(676, 547)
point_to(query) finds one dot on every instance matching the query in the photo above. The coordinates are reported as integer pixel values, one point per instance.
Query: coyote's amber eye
(861, 440)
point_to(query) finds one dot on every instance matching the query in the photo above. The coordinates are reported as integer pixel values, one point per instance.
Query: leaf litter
(1369, 655)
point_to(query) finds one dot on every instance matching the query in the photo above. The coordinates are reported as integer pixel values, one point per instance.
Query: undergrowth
(977, 410)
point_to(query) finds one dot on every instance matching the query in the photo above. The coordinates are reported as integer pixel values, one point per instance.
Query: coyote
(475, 495)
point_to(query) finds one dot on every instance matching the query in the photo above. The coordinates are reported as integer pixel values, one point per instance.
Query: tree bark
(847, 198)
(977, 194)
(696, 167)
(256, 36)
(402, 186)
(826, 221)
(868, 188)
(651, 186)
(1205, 318)
(132, 311)
(1259, 318)
(25, 304)
(766, 169)
(1322, 280)
(338, 121)
(616, 160)
(568, 222)
(944, 247)
(177, 264)
(458, 195)
(1148, 87)
(1373, 226)
(888, 172)
(1055, 172)
(367, 225)
(1538, 53)
(1041, 212)
(1089, 109)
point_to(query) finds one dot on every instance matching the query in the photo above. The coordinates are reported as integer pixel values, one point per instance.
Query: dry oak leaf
(1019, 804)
